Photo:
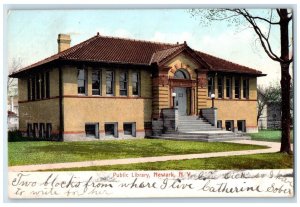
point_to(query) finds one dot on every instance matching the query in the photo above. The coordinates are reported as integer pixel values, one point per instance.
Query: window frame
(123, 81)
(43, 95)
(42, 130)
(115, 134)
(138, 83)
(96, 130)
(37, 87)
(220, 85)
(100, 82)
(112, 82)
(210, 87)
(48, 130)
(246, 88)
(29, 130)
(29, 90)
(237, 86)
(33, 88)
(84, 81)
(47, 86)
(228, 87)
(133, 129)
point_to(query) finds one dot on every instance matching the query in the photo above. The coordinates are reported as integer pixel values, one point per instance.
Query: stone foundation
(251, 129)
(83, 137)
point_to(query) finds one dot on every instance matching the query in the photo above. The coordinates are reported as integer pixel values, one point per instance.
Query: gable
(183, 61)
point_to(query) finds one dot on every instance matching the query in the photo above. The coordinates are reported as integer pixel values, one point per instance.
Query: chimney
(63, 41)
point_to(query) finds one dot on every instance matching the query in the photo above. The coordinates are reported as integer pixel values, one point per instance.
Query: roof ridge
(136, 40)
(76, 47)
(172, 46)
(228, 61)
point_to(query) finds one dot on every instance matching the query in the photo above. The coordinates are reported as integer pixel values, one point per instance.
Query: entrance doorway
(181, 100)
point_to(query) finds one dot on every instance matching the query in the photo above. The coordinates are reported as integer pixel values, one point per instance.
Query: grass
(25, 153)
(268, 135)
(257, 161)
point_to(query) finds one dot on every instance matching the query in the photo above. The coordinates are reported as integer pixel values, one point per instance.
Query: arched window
(181, 74)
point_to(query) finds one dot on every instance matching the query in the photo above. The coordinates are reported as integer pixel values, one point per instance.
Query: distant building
(13, 113)
(273, 115)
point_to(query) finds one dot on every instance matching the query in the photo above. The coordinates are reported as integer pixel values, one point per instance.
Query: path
(274, 147)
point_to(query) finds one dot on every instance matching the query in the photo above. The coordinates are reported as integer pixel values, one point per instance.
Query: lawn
(24, 153)
(257, 161)
(268, 135)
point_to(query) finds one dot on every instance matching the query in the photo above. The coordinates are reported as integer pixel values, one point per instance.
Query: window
(245, 88)
(228, 87)
(29, 130)
(47, 85)
(135, 83)
(210, 85)
(32, 88)
(129, 129)
(219, 124)
(35, 130)
(37, 85)
(96, 82)
(42, 86)
(237, 87)
(229, 125)
(48, 130)
(123, 83)
(109, 82)
(42, 130)
(28, 89)
(81, 80)
(111, 129)
(220, 87)
(241, 124)
(179, 74)
(92, 130)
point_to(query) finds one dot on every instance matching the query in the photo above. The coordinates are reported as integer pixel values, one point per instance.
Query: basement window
(92, 130)
(29, 130)
(35, 130)
(229, 125)
(48, 130)
(129, 129)
(42, 130)
(111, 130)
(219, 124)
(241, 124)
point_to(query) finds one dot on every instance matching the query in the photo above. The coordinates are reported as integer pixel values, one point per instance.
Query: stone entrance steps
(192, 128)
(193, 123)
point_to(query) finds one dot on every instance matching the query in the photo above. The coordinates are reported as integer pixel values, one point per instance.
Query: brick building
(107, 88)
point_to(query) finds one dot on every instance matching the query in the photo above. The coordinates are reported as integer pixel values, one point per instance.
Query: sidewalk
(274, 147)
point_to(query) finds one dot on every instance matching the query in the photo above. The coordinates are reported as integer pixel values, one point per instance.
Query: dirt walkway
(274, 147)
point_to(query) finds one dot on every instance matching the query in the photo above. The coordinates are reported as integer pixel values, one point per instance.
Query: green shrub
(15, 136)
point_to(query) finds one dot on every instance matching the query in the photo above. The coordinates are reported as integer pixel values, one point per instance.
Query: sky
(32, 34)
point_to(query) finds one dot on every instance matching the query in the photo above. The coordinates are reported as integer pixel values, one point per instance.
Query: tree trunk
(285, 84)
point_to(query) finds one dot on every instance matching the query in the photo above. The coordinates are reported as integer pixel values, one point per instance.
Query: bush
(15, 136)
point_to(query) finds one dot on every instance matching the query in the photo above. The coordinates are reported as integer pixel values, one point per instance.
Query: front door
(181, 101)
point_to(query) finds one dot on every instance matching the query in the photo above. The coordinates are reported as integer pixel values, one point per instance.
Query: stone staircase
(193, 123)
(192, 128)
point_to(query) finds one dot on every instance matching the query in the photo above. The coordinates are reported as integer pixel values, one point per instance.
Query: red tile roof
(128, 51)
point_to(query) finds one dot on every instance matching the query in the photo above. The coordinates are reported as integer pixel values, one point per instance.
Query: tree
(265, 95)
(15, 65)
(262, 22)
